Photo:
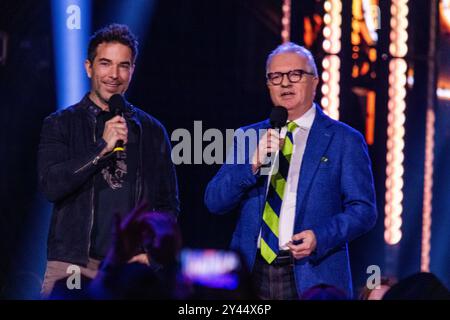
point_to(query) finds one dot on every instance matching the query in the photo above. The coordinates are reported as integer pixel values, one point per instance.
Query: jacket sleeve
(58, 174)
(225, 191)
(227, 188)
(167, 192)
(358, 200)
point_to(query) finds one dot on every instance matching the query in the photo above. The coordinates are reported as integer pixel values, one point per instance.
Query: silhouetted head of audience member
(324, 292)
(63, 291)
(377, 293)
(140, 233)
(131, 281)
(142, 260)
(419, 286)
(161, 238)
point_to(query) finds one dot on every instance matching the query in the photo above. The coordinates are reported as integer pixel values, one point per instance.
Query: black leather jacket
(68, 160)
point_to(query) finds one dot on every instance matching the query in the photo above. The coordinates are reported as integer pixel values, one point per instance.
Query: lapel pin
(324, 159)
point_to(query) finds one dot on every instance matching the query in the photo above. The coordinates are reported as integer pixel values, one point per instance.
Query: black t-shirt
(114, 189)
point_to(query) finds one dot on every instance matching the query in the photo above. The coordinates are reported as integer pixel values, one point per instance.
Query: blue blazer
(335, 199)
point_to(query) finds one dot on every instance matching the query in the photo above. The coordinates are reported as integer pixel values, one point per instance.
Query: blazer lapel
(316, 145)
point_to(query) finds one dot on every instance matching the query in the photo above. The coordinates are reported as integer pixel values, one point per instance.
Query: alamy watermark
(74, 279)
(230, 147)
(374, 280)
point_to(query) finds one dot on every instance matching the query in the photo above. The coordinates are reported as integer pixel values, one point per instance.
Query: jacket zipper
(93, 161)
(92, 198)
(139, 169)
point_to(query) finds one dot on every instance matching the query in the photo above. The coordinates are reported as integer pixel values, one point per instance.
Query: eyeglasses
(276, 78)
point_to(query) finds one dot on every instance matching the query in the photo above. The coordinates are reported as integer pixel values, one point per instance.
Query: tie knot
(291, 126)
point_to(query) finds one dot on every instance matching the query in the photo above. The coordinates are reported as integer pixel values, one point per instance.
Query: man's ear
(88, 67)
(133, 67)
(316, 83)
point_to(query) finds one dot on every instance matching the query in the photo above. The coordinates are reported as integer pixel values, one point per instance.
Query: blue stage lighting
(137, 14)
(71, 30)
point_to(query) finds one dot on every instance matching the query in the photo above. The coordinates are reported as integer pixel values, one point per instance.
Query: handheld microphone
(117, 107)
(278, 119)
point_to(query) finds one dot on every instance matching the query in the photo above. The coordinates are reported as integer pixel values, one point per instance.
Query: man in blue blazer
(295, 223)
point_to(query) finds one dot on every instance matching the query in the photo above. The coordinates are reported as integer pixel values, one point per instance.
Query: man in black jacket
(88, 182)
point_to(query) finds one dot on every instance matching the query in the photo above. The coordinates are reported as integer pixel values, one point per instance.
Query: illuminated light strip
(372, 26)
(286, 21)
(427, 194)
(429, 148)
(71, 29)
(370, 118)
(396, 120)
(331, 63)
(443, 94)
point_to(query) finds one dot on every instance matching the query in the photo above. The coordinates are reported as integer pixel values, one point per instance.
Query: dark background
(202, 60)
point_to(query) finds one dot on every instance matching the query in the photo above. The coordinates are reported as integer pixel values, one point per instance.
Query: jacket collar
(317, 144)
(94, 110)
(321, 120)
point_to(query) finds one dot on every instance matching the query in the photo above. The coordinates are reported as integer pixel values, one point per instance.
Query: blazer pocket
(325, 165)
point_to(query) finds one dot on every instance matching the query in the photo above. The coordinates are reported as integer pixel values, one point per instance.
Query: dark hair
(113, 33)
(324, 291)
(419, 286)
(384, 281)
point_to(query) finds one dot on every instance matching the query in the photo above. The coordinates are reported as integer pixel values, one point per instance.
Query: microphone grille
(278, 117)
(116, 104)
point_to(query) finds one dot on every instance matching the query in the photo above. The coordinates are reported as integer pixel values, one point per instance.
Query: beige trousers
(57, 270)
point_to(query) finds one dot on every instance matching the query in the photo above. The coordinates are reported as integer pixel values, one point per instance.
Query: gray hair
(295, 48)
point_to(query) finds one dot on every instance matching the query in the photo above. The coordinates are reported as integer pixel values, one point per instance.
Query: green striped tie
(272, 208)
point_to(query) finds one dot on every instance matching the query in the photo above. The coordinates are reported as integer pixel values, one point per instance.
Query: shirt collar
(96, 110)
(307, 119)
(90, 106)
